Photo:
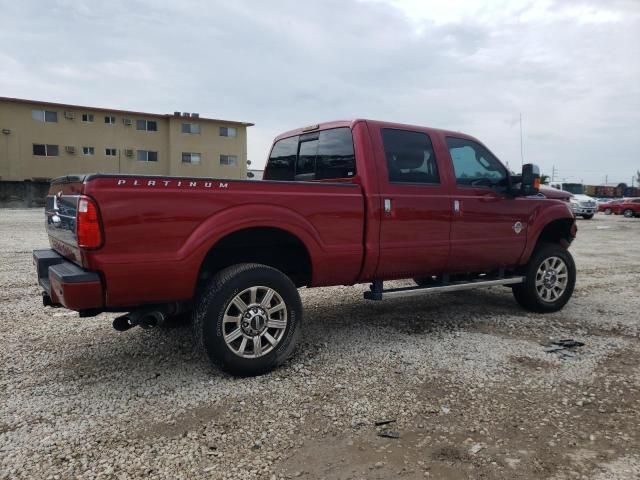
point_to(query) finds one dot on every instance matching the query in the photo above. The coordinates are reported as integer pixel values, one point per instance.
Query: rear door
(489, 227)
(416, 212)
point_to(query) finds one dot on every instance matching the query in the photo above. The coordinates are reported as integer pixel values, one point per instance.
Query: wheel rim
(552, 278)
(628, 213)
(607, 211)
(254, 322)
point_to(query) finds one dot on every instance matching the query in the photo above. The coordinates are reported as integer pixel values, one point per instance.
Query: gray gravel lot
(464, 376)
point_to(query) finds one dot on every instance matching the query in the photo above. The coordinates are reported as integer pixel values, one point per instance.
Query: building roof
(127, 112)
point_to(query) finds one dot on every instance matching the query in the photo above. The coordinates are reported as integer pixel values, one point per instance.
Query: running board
(380, 294)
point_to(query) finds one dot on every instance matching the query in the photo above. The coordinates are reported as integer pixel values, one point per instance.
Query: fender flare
(241, 217)
(539, 221)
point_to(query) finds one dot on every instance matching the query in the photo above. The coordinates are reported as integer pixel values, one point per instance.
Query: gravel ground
(464, 377)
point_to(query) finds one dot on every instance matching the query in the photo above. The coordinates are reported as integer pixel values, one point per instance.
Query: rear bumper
(65, 284)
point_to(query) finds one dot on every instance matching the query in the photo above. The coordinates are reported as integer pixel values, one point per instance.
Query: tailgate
(60, 216)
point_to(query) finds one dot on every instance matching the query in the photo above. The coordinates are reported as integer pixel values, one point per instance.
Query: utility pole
(553, 173)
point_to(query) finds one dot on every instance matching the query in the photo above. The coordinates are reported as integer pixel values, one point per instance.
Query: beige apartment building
(44, 140)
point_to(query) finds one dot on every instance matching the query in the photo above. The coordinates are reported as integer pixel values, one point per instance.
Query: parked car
(342, 203)
(629, 207)
(610, 207)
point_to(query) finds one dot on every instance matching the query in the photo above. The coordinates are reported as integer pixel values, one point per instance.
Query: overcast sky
(571, 67)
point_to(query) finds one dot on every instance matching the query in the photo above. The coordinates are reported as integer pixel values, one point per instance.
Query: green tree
(544, 179)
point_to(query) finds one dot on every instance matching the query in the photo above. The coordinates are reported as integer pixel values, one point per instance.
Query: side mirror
(530, 179)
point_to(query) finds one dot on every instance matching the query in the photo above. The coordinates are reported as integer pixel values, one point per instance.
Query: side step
(378, 293)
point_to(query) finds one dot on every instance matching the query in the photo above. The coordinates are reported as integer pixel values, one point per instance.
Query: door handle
(456, 206)
(387, 205)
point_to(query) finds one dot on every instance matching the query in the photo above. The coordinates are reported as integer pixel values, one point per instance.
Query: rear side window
(314, 156)
(410, 157)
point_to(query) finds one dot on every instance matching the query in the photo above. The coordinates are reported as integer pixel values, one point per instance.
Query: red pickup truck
(341, 203)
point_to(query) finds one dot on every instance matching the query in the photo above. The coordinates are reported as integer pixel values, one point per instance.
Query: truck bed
(161, 228)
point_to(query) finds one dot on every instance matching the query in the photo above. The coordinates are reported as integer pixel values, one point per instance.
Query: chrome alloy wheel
(254, 322)
(551, 279)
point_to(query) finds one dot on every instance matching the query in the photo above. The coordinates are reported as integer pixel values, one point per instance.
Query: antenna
(521, 145)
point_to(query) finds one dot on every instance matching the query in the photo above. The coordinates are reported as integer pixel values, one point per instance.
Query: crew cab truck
(341, 203)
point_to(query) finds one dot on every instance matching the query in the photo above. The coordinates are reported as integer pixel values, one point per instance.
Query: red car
(610, 207)
(629, 207)
(341, 203)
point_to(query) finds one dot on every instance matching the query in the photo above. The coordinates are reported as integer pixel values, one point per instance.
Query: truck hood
(554, 193)
(584, 198)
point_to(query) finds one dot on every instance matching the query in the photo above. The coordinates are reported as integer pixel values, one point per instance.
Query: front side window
(192, 128)
(147, 156)
(190, 157)
(228, 132)
(410, 157)
(42, 150)
(147, 125)
(230, 160)
(474, 165)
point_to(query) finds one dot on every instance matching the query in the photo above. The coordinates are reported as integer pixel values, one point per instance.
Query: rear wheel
(248, 319)
(628, 213)
(550, 277)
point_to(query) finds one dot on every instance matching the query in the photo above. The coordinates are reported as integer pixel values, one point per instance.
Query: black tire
(527, 295)
(608, 211)
(628, 213)
(214, 301)
(587, 217)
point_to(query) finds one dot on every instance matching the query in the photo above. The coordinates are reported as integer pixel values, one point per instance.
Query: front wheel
(628, 213)
(550, 277)
(248, 319)
(608, 211)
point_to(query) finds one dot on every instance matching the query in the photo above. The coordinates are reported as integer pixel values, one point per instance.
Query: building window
(110, 119)
(147, 125)
(231, 160)
(44, 116)
(147, 156)
(88, 151)
(45, 150)
(87, 117)
(110, 152)
(193, 128)
(190, 157)
(228, 132)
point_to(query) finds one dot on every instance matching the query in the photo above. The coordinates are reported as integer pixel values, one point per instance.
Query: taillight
(88, 228)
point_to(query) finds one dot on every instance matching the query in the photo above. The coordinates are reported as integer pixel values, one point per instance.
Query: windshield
(575, 188)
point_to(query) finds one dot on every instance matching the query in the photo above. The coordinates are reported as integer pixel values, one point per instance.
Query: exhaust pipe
(141, 318)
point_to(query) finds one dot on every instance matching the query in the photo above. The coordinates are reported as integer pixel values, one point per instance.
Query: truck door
(489, 227)
(416, 212)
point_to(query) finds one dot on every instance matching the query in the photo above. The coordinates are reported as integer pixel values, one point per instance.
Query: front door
(489, 227)
(416, 212)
